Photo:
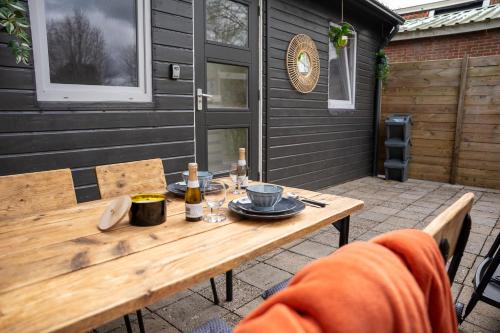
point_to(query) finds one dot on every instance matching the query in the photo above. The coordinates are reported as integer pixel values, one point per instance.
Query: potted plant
(383, 67)
(339, 36)
(13, 21)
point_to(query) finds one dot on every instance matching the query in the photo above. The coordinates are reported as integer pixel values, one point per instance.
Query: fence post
(460, 119)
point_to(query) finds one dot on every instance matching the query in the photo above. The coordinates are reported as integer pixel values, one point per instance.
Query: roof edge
(431, 6)
(386, 11)
(447, 30)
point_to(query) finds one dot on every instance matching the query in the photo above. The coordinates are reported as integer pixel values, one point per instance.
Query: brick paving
(388, 206)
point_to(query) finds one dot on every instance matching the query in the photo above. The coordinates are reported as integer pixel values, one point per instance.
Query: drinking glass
(215, 196)
(238, 181)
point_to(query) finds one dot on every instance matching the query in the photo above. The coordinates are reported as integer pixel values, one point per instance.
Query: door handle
(199, 99)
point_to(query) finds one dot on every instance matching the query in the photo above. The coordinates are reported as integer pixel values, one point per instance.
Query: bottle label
(193, 183)
(194, 210)
(242, 162)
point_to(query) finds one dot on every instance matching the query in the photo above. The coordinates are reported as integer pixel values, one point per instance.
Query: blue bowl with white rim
(204, 177)
(264, 196)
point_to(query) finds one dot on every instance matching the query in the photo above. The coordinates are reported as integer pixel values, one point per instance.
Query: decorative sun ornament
(302, 62)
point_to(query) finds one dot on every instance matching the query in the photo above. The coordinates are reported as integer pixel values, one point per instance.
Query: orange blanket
(394, 283)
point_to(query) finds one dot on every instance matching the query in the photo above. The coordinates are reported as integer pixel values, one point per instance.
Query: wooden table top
(58, 272)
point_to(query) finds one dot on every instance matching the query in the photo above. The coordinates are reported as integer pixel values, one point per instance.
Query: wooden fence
(455, 105)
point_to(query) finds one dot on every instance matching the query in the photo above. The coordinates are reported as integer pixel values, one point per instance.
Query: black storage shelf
(397, 147)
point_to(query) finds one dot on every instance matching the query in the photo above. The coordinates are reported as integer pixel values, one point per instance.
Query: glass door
(226, 72)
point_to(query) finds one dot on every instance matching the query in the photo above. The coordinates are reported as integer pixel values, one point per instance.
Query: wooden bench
(131, 178)
(30, 193)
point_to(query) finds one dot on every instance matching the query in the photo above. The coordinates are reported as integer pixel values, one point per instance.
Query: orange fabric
(394, 283)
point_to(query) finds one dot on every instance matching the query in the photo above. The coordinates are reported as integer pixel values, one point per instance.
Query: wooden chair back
(131, 178)
(30, 193)
(448, 224)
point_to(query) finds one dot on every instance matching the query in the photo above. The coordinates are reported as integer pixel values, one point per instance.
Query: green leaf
(17, 6)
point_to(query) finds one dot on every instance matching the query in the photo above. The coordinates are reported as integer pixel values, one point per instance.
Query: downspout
(378, 105)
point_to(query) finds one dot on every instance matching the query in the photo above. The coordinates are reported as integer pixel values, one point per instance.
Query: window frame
(350, 104)
(57, 92)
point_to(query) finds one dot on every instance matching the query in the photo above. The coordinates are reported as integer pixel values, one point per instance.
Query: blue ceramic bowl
(204, 177)
(264, 196)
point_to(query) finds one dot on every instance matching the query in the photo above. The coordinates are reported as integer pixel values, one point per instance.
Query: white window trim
(351, 103)
(47, 91)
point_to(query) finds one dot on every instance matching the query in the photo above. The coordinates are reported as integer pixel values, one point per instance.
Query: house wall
(35, 137)
(476, 44)
(308, 146)
(303, 143)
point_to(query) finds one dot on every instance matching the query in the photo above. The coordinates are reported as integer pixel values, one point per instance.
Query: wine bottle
(192, 198)
(242, 168)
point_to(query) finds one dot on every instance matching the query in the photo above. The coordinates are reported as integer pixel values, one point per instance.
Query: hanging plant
(383, 67)
(339, 36)
(13, 21)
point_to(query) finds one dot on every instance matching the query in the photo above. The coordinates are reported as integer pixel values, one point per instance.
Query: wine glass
(215, 196)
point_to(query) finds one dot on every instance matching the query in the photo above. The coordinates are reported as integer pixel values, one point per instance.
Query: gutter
(378, 106)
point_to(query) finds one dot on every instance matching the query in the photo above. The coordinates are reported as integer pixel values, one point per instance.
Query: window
(92, 50)
(342, 75)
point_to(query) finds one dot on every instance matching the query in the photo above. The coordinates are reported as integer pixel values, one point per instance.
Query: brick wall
(482, 43)
(411, 16)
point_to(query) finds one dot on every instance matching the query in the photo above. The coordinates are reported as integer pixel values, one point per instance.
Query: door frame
(255, 131)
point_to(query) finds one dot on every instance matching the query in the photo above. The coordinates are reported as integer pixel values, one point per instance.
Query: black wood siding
(307, 145)
(35, 137)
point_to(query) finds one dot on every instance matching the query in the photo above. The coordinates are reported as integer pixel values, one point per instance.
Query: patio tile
(360, 222)
(292, 244)
(394, 204)
(462, 273)
(263, 276)
(386, 227)
(355, 233)
(402, 222)
(329, 238)
(232, 319)
(249, 307)
(378, 217)
(481, 229)
(384, 210)
(472, 272)
(169, 300)
(191, 312)
(289, 261)
(369, 235)
(475, 243)
(245, 266)
(487, 245)
(419, 209)
(242, 293)
(154, 323)
(312, 249)
(467, 327)
(427, 204)
(271, 254)
(407, 214)
(456, 288)
(482, 219)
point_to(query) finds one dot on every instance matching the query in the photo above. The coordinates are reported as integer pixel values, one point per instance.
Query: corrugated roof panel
(449, 19)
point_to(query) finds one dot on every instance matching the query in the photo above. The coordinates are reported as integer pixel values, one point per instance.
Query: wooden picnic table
(58, 272)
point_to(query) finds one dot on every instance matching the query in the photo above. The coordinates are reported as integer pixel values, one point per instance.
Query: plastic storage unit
(397, 147)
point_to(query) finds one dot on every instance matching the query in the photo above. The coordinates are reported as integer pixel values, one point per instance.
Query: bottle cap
(242, 153)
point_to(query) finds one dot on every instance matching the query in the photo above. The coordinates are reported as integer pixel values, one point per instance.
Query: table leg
(127, 323)
(229, 286)
(343, 227)
(140, 321)
(214, 291)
